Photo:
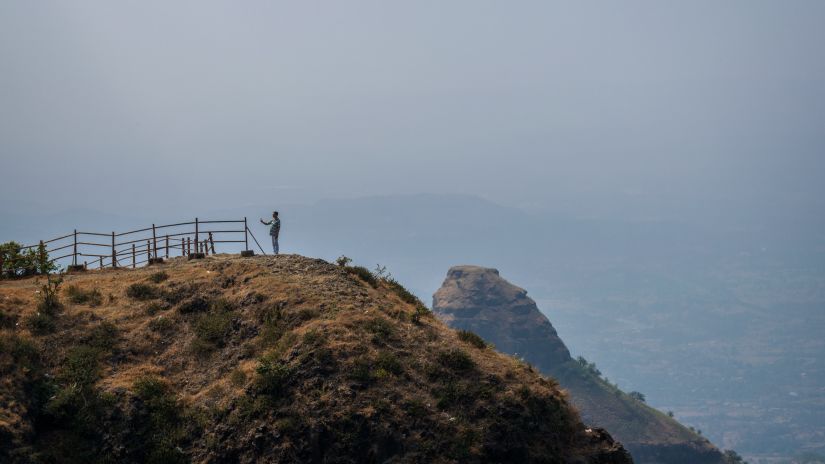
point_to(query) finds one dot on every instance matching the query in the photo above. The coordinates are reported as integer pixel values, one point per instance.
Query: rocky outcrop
(478, 299)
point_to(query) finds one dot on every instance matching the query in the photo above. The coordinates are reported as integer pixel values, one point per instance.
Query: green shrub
(196, 304)
(405, 295)
(360, 370)
(102, 337)
(343, 261)
(165, 426)
(638, 396)
(472, 338)
(81, 366)
(382, 330)
(272, 376)
(143, 292)
(363, 274)
(22, 349)
(389, 362)
(77, 295)
(213, 327)
(420, 311)
(456, 360)
(40, 323)
(14, 262)
(158, 277)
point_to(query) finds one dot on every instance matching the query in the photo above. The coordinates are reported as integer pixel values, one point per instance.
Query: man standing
(274, 230)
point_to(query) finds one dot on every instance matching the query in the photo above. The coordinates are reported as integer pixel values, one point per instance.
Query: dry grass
(296, 344)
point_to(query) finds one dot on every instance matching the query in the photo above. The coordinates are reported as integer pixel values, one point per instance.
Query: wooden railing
(146, 245)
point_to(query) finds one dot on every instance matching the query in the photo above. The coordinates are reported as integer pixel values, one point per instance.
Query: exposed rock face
(478, 299)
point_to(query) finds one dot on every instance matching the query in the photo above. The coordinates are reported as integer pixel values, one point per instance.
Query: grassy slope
(264, 360)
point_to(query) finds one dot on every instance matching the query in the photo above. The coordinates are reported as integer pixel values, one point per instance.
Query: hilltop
(479, 299)
(264, 359)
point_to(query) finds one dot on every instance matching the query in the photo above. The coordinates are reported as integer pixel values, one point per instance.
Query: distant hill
(478, 299)
(264, 359)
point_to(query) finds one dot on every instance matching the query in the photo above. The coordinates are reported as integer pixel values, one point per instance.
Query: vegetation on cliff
(283, 359)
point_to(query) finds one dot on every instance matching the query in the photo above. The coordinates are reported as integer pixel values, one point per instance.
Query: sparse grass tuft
(143, 292)
(472, 338)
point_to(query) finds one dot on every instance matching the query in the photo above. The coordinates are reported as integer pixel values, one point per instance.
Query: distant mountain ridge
(478, 299)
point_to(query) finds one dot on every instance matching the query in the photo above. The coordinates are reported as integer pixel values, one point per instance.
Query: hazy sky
(639, 108)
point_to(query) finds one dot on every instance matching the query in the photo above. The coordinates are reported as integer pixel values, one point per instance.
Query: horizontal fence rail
(96, 250)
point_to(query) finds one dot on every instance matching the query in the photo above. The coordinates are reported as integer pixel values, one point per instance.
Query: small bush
(154, 308)
(472, 338)
(211, 330)
(102, 337)
(638, 396)
(420, 311)
(343, 261)
(389, 363)
(196, 304)
(81, 366)
(273, 376)
(405, 295)
(456, 360)
(165, 426)
(161, 324)
(143, 292)
(7, 321)
(49, 299)
(363, 274)
(238, 378)
(23, 351)
(382, 330)
(158, 277)
(77, 295)
(40, 323)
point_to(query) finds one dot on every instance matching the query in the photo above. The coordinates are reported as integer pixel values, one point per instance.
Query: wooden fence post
(101, 262)
(245, 235)
(134, 260)
(182, 246)
(155, 241)
(114, 254)
(148, 252)
(74, 251)
(212, 242)
(166, 248)
(196, 234)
